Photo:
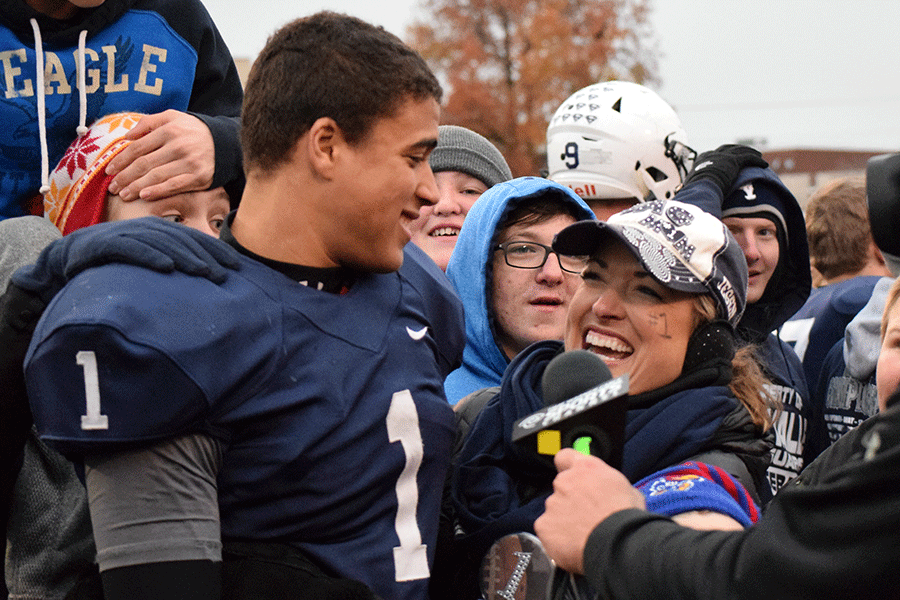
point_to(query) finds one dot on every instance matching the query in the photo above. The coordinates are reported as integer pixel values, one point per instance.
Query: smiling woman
(634, 323)
(662, 286)
(660, 283)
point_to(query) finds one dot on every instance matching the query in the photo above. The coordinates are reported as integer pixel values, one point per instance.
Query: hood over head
(470, 272)
(757, 192)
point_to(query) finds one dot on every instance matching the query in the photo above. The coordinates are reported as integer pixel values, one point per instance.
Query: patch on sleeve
(695, 486)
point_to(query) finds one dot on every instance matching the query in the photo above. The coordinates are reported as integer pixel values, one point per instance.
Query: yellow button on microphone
(549, 441)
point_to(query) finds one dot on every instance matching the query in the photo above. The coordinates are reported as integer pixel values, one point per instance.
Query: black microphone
(572, 373)
(584, 409)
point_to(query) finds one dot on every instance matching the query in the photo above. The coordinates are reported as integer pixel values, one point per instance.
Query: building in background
(803, 170)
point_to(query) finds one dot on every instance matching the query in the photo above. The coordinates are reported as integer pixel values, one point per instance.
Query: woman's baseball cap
(683, 247)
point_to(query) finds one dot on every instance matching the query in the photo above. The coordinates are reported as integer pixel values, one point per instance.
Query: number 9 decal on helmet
(617, 140)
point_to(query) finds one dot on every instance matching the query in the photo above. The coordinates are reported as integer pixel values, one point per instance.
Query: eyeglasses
(531, 255)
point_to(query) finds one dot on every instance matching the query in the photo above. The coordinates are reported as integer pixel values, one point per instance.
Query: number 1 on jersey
(410, 557)
(93, 419)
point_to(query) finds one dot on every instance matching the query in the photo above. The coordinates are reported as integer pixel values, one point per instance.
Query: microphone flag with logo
(584, 409)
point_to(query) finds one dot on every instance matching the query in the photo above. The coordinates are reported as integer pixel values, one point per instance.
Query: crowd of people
(281, 340)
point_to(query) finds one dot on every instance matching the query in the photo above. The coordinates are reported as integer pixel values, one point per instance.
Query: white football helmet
(618, 140)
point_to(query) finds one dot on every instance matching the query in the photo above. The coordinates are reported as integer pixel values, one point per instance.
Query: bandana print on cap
(661, 263)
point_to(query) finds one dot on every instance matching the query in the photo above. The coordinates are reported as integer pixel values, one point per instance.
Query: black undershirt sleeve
(179, 580)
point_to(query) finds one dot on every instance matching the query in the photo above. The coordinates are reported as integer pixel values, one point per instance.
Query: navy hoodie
(786, 292)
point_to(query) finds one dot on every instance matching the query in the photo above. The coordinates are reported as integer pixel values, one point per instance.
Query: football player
(284, 432)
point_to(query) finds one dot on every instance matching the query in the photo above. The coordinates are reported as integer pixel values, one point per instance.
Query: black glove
(148, 242)
(722, 165)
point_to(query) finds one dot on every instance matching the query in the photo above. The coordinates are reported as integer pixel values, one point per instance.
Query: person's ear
(875, 254)
(324, 146)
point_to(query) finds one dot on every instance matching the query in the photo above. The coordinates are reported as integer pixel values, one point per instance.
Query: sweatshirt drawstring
(41, 110)
(41, 99)
(82, 92)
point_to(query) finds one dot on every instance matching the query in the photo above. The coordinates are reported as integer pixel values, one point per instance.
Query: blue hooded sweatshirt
(139, 56)
(470, 272)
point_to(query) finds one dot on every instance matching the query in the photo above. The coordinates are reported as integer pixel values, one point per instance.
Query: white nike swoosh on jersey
(417, 335)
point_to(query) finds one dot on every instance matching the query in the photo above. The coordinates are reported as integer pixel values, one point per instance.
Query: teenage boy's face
(437, 228)
(530, 304)
(385, 180)
(758, 240)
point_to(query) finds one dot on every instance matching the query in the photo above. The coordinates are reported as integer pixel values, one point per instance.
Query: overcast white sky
(796, 73)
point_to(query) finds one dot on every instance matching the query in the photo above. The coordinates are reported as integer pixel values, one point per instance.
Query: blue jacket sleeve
(704, 194)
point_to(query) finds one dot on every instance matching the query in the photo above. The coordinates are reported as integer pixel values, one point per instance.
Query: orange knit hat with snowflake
(79, 183)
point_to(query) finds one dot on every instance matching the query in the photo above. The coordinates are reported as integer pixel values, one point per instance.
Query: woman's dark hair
(748, 380)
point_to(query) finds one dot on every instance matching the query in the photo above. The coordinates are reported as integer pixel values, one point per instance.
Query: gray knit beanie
(463, 150)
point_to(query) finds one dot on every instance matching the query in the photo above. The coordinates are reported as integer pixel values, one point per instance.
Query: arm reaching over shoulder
(714, 173)
(722, 165)
(148, 242)
(700, 496)
(171, 152)
(587, 491)
(197, 146)
(591, 527)
(576, 507)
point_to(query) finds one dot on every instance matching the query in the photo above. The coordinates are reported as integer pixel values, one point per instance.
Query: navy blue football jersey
(819, 323)
(331, 407)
